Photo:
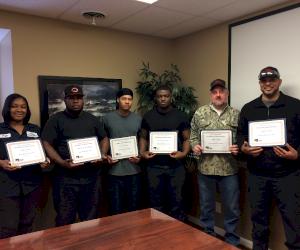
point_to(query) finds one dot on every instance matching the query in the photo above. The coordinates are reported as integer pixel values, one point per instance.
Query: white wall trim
(6, 66)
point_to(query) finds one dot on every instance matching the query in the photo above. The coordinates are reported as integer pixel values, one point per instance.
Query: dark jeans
(230, 192)
(71, 199)
(17, 213)
(124, 193)
(165, 189)
(286, 191)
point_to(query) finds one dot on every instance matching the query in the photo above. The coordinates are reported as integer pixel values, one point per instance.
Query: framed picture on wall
(99, 94)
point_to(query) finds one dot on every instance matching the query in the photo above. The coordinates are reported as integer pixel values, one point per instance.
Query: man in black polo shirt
(165, 173)
(273, 170)
(75, 186)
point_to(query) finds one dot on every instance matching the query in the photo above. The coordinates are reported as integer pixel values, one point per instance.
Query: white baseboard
(220, 231)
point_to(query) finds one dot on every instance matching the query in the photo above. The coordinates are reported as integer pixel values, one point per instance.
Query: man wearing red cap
(75, 186)
(273, 170)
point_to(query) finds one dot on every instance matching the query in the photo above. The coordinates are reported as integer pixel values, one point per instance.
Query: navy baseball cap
(217, 83)
(269, 72)
(73, 90)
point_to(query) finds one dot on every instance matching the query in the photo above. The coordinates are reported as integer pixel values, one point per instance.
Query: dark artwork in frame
(99, 94)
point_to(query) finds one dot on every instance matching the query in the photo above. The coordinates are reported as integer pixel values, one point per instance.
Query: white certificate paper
(216, 141)
(124, 147)
(267, 133)
(163, 142)
(27, 152)
(84, 150)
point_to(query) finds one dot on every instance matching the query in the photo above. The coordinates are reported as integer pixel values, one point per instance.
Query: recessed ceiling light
(147, 1)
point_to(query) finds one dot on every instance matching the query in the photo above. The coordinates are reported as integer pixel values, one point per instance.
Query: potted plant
(182, 95)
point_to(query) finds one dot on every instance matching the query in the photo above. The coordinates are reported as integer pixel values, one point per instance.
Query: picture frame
(99, 94)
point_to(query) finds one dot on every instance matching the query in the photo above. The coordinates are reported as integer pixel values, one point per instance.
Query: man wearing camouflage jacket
(217, 169)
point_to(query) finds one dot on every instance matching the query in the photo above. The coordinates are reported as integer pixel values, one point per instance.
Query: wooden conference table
(140, 230)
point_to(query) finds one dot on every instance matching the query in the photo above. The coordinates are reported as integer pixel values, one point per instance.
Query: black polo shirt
(62, 127)
(174, 120)
(268, 163)
(26, 179)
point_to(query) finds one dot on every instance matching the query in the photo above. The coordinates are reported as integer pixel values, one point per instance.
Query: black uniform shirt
(62, 127)
(26, 179)
(268, 163)
(174, 120)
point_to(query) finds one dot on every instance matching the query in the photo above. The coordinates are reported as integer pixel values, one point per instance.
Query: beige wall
(203, 57)
(46, 47)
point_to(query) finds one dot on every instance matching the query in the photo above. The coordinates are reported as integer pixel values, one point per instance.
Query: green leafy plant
(182, 96)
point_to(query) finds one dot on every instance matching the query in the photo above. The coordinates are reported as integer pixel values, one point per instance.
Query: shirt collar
(217, 110)
(279, 102)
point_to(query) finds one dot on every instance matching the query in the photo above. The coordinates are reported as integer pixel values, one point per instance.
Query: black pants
(80, 198)
(165, 189)
(286, 191)
(17, 213)
(124, 193)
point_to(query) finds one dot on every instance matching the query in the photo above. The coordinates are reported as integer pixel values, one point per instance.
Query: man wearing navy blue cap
(273, 171)
(215, 169)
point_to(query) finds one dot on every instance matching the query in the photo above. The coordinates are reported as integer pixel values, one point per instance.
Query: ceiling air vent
(93, 16)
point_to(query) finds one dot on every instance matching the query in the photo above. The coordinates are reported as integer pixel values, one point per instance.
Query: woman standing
(19, 187)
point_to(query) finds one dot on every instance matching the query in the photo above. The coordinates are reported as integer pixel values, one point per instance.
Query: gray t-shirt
(117, 126)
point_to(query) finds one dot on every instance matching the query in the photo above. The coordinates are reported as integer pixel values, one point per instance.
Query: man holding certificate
(164, 142)
(269, 134)
(72, 136)
(124, 182)
(21, 161)
(213, 129)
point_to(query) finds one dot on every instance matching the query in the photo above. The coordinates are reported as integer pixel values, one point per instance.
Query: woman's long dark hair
(7, 105)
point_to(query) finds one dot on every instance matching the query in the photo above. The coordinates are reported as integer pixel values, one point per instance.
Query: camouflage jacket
(207, 118)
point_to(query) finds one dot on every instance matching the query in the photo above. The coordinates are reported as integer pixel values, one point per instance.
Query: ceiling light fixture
(147, 1)
(93, 16)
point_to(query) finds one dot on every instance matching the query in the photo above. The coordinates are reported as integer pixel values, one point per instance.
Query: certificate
(216, 141)
(163, 142)
(124, 147)
(267, 133)
(84, 150)
(27, 152)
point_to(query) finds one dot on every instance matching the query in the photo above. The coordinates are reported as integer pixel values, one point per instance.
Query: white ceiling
(164, 18)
